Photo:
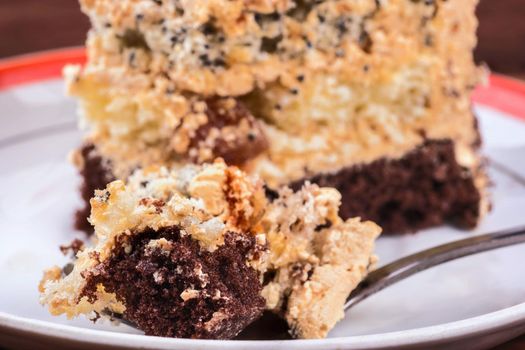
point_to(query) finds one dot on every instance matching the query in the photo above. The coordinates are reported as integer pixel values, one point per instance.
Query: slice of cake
(371, 97)
(201, 252)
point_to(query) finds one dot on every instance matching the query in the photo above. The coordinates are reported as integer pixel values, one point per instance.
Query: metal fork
(412, 264)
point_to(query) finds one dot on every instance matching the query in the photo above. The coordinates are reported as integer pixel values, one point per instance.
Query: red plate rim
(502, 93)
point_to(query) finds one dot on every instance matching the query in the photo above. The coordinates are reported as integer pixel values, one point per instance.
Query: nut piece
(231, 132)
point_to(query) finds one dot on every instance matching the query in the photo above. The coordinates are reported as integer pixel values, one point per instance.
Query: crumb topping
(228, 47)
(316, 258)
(201, 200)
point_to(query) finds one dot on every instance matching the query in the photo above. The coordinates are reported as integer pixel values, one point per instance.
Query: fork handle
(412, 264)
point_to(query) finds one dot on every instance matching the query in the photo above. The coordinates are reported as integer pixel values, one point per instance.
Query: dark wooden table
(34, 25)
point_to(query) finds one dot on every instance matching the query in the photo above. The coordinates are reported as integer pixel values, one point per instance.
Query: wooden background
(35, 25)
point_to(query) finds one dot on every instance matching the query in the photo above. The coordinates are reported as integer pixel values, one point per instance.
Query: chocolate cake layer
(426, 187)
(180, 290)
(96, 174)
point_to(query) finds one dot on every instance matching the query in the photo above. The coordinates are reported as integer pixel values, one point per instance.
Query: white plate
(479, 301)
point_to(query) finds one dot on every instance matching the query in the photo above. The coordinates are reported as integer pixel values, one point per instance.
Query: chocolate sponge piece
(96, 174)
(182, 291)
(426, 187)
